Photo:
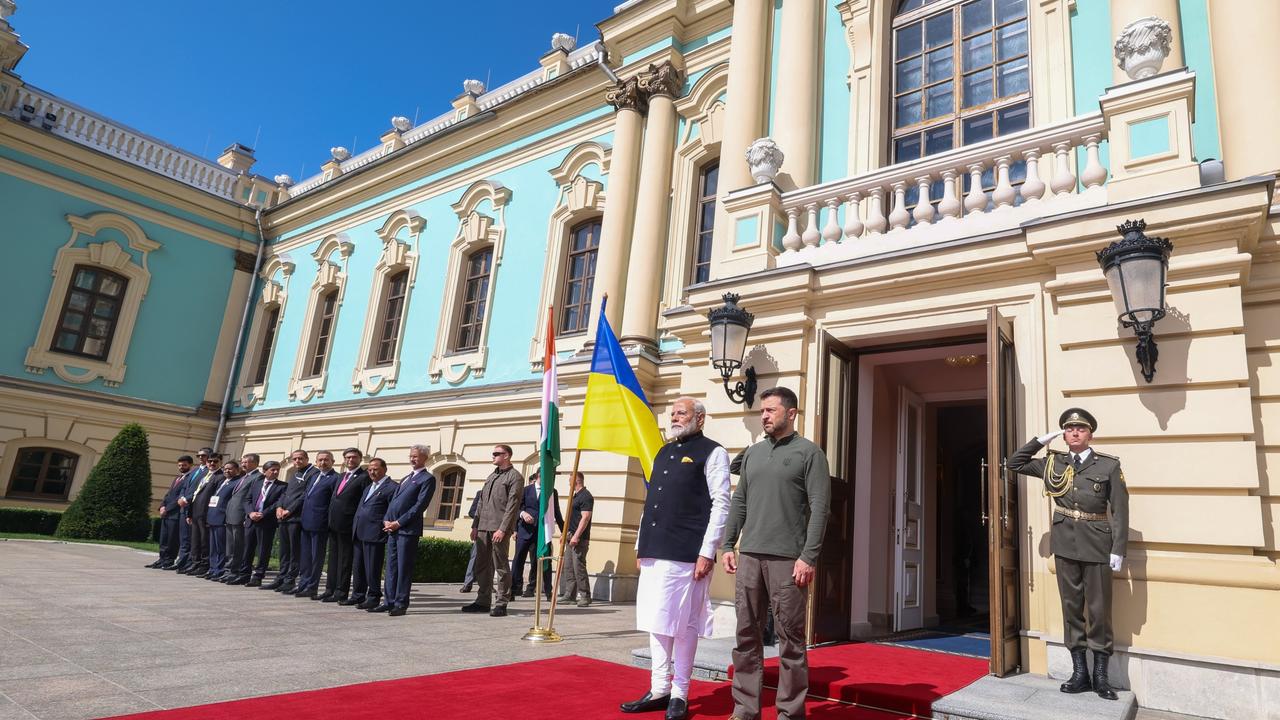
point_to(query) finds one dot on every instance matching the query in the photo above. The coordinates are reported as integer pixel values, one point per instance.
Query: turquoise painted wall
(833, 158)
(1091, 58)
(1194, 16)
(775, 44)
(515, 312)
(171, 352)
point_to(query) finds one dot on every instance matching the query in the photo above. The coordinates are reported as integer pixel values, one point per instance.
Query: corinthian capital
(627, 95)
(663, 79)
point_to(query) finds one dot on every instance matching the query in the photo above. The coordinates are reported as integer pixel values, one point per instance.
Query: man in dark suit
(315, 525)
(347, 495)
(185, 494)
(370, 541)
(289, 515)
(169, 520)
(403, 525)
(237, 515)
(527, 537)
(261, 502)
(217, 520)
(200, 513)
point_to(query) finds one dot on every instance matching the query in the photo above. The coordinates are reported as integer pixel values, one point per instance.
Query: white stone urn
(563, 41)
(339, 153)
(473, 87)
(1142, 47)
(283, 180)
(764, 158)
(401, 123)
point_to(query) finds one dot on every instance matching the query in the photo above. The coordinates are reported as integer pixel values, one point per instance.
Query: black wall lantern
(730, 326)
(1136, 267)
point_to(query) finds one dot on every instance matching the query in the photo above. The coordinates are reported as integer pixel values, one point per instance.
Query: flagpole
(538, 634)
(564, 539)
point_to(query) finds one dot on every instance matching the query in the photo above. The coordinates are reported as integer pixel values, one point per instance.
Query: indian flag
(549, 445)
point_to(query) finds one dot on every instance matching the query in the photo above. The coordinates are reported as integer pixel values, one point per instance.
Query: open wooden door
(831, 596)
(909, 527)
(1002, 513)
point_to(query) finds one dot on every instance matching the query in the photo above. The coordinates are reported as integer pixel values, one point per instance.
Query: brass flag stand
(546, 635)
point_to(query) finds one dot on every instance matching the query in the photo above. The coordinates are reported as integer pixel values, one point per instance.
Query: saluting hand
(730, 562)
(1050, 437)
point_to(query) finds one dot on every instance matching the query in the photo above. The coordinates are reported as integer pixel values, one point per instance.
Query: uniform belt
(1078, 514)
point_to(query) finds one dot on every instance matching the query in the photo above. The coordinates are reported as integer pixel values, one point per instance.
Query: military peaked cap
(1077, 416)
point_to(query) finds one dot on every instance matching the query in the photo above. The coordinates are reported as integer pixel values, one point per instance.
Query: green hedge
(441, 560)
(113, 503)
(26, 520)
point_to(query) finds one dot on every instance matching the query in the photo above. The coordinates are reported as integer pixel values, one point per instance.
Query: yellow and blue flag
(617, 417)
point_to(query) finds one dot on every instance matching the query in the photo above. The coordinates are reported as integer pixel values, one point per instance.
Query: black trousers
(199, 541)
(527, 549)
(169, 538)
(402, 551)
(258, 540)
(184, 539)
(366, 573)
(290, 549)
(311, 558)
(338, 580)
(236, 562)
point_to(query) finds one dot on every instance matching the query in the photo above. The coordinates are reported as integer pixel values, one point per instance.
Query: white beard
(681, 433)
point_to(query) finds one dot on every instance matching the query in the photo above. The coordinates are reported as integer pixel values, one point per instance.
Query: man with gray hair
(403, 526)
(683, 523)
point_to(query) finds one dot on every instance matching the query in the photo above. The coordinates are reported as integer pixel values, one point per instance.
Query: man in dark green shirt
(779, 510)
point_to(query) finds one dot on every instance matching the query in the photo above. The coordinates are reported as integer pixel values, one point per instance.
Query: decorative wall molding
(109, 255)
(331, 275)
(397, 254)
(476, 231)
(274, 294)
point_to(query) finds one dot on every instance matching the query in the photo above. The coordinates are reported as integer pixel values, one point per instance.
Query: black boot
(1100, 684)
(1079, 680)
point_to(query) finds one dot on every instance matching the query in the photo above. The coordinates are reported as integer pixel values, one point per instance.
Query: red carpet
(554, 689)
(897, 679)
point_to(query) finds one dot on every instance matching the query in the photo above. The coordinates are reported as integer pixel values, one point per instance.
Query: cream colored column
(795, 114)
(653, 206)
(1245, 52)
(1124, 12)
(620, 207)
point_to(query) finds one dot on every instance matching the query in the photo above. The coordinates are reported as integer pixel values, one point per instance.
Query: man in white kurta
(683, 524)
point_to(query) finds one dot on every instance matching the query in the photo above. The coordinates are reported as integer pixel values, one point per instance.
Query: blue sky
(310, 74)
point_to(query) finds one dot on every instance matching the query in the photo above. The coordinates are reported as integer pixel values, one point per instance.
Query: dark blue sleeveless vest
(678, 506)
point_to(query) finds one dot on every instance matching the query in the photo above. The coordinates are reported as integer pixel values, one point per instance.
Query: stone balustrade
(965, 192)
(86, 128)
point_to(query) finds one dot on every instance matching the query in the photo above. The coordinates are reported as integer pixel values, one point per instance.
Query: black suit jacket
(529, 503)
(296, 493)
(342, 509)
(269, 505)
(369, 514)
(200, 502)
(170, 501)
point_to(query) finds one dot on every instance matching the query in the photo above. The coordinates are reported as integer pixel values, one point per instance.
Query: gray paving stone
(1028, 697)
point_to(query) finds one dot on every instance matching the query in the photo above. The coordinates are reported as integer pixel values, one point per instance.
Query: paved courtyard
(86, 631)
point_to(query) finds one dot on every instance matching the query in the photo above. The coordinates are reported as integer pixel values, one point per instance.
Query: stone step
(1029, 697)
(711, 662)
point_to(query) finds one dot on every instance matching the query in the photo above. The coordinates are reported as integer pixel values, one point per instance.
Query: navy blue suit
(370, 542)
(527, 540)
(261, 535)
(187, 490)
(291, 526)
(315, 527)
(169, 531)
(406, 507)
(216, 519)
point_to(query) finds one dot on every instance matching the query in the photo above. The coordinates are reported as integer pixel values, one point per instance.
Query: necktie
(345, 476)
(177, 480)
(314, 481)
(263, 497)
(372, 489)
(1076, 461)
(240, 483)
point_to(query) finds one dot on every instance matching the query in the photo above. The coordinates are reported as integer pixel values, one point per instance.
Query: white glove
(1117, 562)
(1046, 439)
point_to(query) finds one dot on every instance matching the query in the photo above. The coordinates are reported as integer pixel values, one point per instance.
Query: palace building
(908, 196)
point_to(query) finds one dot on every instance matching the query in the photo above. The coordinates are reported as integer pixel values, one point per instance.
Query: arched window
(475, 294)
(271, 321)
(392, 316)
(325, 316)
(41, 473)
(451, 484)
(708, 181)
(961, 74)
(579, 277)
(90, 311)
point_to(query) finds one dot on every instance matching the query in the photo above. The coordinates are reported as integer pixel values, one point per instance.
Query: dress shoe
(348, 602)
(528, 592)
(1079, 680)
(475, 608)
(381, 608)
(253, 582)
(678, 709)
(499, 611)
(155, 564)
(177, 568)
(238, 580)
(323, 598)
(304, 592)
(331, 599)
(216, 577)
(287, 588)
(165, 566)
(396, 611)
(465, 588)
(648, 703)
(275, 584)
(1100, 683)
(199, 570)
(367, 604)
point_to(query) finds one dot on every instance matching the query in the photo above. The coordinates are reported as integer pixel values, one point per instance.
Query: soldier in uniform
(1087, 544)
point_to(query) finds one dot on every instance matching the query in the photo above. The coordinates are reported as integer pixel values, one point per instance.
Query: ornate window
(579, 277)
(475, 255)
(707, 182)
(381, 345)
(961, 74)
(264, 332)
(311, 365)
(452, 481)
(98, 288)
(475, 296)
(42, 473)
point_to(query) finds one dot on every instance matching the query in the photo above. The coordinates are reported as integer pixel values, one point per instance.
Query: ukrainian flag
(617, 417)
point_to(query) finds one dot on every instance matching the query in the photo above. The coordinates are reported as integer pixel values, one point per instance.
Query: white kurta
(668, 599)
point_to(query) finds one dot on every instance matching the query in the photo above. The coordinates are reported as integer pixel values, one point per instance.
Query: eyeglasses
(498, 454)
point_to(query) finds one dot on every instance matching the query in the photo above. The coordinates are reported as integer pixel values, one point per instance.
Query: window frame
(390, 321)
(94, 294)
(326, 319)
(36, 495)
(271, 305)
(584, 304)
(704, 234)
(398, 254)
(477, 302)
(445, 492)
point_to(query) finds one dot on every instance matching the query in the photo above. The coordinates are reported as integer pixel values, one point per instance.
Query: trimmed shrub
(27, 520)
(441, 560)
(114, 502)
